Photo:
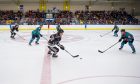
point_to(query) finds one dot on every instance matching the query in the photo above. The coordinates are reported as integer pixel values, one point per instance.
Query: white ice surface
(22, 64)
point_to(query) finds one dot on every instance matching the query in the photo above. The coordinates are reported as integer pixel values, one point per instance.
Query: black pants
(33, 37)
(53, 49)
(13, 33)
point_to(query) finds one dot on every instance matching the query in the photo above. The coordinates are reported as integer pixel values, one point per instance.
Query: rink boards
(73, 27)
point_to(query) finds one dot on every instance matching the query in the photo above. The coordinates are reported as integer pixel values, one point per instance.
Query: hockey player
(36, 34)
(127, 37)
(13, 29)
(53, 41)
(58, 27)
(116, 28)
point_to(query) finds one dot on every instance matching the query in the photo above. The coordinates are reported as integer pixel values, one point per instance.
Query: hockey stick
(44, 38)
(107, 48)
(20, 36)
(71, 54)
(105, 34)
(65, 50)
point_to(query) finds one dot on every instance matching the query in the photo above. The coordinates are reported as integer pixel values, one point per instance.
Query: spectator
(67, 17)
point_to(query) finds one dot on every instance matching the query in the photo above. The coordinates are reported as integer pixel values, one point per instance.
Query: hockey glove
(40, 35)
(62, 47)
(120, 40)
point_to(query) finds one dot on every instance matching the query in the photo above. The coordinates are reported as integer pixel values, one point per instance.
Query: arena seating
(67, 17)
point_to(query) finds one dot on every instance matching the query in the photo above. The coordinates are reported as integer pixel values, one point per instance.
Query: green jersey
(116, 28)
(36, 31)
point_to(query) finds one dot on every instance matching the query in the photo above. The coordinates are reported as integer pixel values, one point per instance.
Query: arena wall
(74, 6)
(73, 27)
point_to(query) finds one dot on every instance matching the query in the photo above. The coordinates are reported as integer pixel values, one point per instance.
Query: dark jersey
(116, 28)
(54, 40)
(14, 28)
(58, 28)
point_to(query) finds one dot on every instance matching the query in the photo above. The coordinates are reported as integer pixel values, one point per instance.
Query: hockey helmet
(122, 30)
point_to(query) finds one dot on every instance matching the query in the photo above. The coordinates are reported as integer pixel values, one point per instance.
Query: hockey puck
(81, 58)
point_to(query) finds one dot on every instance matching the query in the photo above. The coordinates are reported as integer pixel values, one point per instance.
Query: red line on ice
(46, 70)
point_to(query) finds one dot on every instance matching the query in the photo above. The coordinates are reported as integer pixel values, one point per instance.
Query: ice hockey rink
(24, 64)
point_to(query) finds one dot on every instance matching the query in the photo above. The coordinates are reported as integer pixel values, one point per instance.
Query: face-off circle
(71, 38)
(67, 38)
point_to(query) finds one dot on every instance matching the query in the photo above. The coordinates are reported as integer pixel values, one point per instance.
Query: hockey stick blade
(100, 51)
(76, 56)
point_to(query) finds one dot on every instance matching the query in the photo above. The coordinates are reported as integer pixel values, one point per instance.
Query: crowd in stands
(67, 17)
(10, 16)
(105, 17)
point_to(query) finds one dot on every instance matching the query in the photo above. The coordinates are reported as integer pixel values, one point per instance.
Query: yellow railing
(66, 5)
(43, 5)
